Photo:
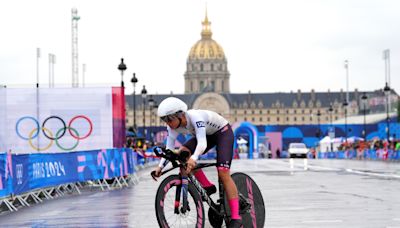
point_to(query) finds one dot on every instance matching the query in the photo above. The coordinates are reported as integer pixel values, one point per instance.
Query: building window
(212, 67)
(245, 119)
(302, 111)
(268, 119)
(252, 112)
(294, 111)
(260, 111)
(277, 119)
(201, 85)
(287, 118)
(294, 119)
(201, 67)
(261, 119)
(212, 86)
(287, 111)
(310, 118)
(191, 86)
(252, 119)
(277, 111)
(267, 111)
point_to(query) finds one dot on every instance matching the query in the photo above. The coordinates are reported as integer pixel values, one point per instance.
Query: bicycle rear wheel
(165, 204)
(249, 189)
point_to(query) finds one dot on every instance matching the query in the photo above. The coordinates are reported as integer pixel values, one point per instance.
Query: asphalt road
(324, 193)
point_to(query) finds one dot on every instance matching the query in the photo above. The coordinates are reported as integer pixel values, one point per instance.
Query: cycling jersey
(200, 123)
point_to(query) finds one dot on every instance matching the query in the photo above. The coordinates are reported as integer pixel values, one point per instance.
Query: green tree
(398, 110)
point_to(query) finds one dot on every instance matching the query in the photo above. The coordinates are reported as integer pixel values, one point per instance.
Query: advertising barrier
(26, 172)
(369, 154)
(6, 174)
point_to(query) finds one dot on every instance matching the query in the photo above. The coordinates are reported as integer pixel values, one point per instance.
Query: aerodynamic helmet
(171, 106)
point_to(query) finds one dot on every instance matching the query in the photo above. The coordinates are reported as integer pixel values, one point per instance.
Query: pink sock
(234, 205)
(201, 177)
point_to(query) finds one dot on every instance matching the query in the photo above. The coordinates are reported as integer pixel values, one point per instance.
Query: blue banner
(104, 164)
(33, 171)
(6, 174)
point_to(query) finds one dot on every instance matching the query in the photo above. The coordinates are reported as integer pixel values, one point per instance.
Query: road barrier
(369, 154)
(31, 178)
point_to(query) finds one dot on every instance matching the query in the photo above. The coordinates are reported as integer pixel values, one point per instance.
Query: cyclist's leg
(225, 140)
(190, 146)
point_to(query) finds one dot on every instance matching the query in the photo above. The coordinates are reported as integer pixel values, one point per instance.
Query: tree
(398, 110)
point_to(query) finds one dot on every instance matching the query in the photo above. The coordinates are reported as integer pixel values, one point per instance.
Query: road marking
(322, 221)
(396, 219)
(51, 213)
(372, 174)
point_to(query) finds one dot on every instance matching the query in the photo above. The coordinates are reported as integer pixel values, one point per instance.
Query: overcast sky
(270, 45)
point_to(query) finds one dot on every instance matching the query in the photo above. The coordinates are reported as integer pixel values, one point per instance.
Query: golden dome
(206, 48)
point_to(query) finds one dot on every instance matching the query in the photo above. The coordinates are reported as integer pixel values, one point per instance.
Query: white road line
(373, 174)
(322, 221)
(51, 213)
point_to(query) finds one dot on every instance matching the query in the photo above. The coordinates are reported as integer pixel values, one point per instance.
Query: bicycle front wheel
(165, 205)
(247, 187)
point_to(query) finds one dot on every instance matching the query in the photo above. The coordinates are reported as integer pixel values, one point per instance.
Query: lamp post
(151, 106)
(319, 127)
(364, 106)
(386, 90)
(122, 68)
(144, 95)
(345, 104)
(330, 110)
(134, 80)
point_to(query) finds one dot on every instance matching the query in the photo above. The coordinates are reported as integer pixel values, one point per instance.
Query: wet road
(330, 193)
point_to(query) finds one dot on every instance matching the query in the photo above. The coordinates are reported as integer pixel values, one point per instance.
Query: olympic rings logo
(49, 134)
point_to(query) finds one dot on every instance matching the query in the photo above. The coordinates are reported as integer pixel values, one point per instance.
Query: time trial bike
(179, 198)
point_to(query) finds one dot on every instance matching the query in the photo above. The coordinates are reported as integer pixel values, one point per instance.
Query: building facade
(207, 87)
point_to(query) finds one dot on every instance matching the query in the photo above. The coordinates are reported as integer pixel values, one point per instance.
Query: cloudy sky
(271, 45)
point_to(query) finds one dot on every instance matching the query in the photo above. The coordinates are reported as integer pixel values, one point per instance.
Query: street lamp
(318, 119)
(330, 110)
(345, 104)
(364, 107)
(122, 68)
(144, 95)
(151, 106)
(386, 90)
(134, 80)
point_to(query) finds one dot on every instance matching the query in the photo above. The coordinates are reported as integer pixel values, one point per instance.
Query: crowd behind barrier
(24, 174)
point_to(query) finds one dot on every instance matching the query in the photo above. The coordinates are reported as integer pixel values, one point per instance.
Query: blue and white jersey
(200, 123)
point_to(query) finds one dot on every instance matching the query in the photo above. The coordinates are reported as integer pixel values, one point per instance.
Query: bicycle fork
(182, 189)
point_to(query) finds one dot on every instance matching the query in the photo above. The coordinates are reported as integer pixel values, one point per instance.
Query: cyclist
(209, 129)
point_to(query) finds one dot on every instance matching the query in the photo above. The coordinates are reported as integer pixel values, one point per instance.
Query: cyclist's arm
(200, 127)
(170, 145)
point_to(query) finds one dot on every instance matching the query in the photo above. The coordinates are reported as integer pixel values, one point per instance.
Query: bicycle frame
(183, 188)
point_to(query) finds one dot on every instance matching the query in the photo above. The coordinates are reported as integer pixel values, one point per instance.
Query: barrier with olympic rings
(50, 136)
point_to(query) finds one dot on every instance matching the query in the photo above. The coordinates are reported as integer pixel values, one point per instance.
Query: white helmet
(171, 105)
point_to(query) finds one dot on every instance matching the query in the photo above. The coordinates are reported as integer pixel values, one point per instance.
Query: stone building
(207, 87)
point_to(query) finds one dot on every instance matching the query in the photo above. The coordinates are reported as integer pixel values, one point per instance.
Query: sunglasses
(168, 118)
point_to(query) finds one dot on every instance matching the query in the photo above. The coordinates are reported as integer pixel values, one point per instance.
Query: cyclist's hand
(190, 164)
(156, 173)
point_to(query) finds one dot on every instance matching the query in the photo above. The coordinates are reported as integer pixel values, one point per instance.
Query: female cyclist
(209, 129)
